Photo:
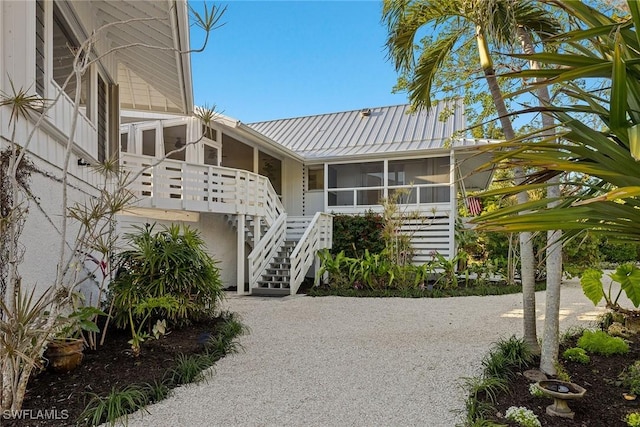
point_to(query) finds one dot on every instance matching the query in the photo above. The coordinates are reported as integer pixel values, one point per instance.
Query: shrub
(116, 405)
(522, 416)
(576, 354)
(354, 234)
(630, 378)
(505, 356)
(536, 391)
(633, 419)
(171, 263)
(600, 342)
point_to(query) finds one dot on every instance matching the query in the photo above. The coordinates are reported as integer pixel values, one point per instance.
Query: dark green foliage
(483, 394)
(354, 234)
(580, 253)
(600, 342)
(190, 369)
(187, 369)
(505, 357)
(618, 253)
(117, 404)
(170, 263)
(157, 391)
(420, 292)
(576, 354)
(630, 378)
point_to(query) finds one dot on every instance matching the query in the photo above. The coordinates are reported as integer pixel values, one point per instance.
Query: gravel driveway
(335, 361)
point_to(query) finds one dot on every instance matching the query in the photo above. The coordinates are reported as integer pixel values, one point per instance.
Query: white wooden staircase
(283, 248)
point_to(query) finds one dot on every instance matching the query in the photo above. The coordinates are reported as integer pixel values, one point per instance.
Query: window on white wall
(64, 46)
(149, 142)
(315, 177)
(210, 155)
(40, 46)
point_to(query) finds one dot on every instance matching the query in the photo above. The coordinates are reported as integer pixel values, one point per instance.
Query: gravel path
(335, 361)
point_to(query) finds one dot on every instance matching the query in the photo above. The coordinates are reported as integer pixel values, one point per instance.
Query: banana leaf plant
(627, 275)
(598, 150)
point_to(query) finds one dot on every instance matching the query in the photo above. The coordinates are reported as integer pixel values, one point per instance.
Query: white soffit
(151, 74)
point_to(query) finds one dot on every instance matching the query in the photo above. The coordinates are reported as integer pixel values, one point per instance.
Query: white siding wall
(40, 237)
(292, 184)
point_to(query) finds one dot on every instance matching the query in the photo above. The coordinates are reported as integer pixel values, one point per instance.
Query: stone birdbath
(561, 392)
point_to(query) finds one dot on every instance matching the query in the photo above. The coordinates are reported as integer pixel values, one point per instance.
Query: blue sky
(278, 59)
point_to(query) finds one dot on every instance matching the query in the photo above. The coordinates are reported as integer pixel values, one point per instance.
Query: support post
(241, 255)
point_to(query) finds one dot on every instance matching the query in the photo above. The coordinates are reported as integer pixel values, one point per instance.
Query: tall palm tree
(497, 19)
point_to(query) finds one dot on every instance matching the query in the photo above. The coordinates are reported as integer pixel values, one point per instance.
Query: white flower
(523, 416)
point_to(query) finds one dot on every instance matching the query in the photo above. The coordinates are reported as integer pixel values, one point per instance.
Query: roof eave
(180, 27)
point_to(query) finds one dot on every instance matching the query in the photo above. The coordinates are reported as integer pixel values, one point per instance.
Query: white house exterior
(316, 166)
(36, 55)
(261, 194)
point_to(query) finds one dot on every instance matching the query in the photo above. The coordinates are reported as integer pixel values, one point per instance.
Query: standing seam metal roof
(350, 133)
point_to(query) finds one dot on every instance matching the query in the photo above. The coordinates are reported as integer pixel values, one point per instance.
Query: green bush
(600, 342)
(353, 234)
(633, 419)
(576, 354)
(619, 252)
(630, 378)
(171, 263)
(505, 357)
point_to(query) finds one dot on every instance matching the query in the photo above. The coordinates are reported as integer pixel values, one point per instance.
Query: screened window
(175, 137)
(418, 171)
(356, 175)
(149, 142)
(210, 155)
(271, 167)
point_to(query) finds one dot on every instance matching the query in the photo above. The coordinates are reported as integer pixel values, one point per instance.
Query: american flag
(474, 206)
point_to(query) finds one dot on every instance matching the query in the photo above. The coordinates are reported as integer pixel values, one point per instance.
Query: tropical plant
(171, 263)
(115, 406)
(576, 354)
(630, 378)
(482, 395)
(90, 236)
(599, 131)
(633, 419)
(627, 275)
(600, 342)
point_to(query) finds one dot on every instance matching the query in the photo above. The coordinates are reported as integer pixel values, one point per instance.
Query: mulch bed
(65, 395)
(603, 404)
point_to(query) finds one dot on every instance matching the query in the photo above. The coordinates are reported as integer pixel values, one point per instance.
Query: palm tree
(600, 132)
(496, 18)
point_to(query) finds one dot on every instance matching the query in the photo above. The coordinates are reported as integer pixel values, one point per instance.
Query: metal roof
(369, 131)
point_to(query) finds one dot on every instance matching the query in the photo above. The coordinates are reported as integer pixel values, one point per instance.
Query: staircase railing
(266, 249)
(318, 235)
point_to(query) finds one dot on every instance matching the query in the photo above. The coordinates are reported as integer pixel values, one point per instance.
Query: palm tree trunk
(551, 332)
(527, 258)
